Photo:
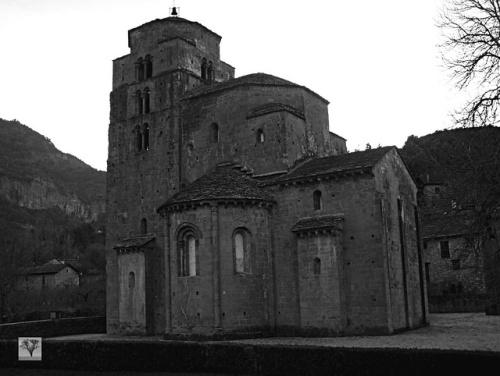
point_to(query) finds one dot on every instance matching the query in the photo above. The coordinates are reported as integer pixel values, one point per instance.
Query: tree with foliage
(30, 345)
(467, 162)
(472, 53)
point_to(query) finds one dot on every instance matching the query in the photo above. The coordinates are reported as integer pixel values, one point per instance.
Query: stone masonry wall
(321, 291)
(287, 137)
(363, 263)
(140, 181)
(217, 298)
(132, 290)
(404, 267)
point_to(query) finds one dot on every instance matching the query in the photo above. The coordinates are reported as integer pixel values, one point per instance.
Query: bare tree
(472, 52)
(30, 345)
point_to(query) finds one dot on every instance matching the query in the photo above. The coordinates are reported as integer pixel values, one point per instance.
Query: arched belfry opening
(210, 72)
(147, 101)
(145, 136)
(138, 101)
(148, 63)
(138, 138)
(139, 69)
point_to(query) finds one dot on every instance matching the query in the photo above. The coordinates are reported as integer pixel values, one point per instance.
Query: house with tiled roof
(232, 209)
(51, 275)
(453, 256)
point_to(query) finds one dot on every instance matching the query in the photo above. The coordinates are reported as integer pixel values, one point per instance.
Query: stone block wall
(219, 298)
(132, 293)
(404, 266)
(287, 137)
(460, 273)
(362, 262)
(321, 292)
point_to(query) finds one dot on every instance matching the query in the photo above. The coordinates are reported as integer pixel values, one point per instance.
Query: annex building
(232, 208)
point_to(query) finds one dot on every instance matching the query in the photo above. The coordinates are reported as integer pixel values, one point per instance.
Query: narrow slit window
(131, 280)
(204, 69)
(317, 200)
(317, 266)
(214, 132)
(191, 255)
(187, 254)
(144, 226)
(241, 244)
(260, 136)
(239, 253)
(444, 246)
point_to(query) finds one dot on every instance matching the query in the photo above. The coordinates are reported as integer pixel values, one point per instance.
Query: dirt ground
(461, 331)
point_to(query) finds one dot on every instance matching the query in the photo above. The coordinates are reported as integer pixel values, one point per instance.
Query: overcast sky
(377, 62)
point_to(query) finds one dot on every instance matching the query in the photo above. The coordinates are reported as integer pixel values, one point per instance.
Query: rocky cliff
(34, 174)
(51, 204)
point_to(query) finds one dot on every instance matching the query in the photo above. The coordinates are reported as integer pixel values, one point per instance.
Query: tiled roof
(178, 20)
(48, 268)
(337, 163)
(226, 181)
(134, 242)
(274, 107)
(435, 226)
(318, 223)
(259, 79)
(336, 135)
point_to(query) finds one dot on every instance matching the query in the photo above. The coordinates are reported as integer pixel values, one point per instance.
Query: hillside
(36, 175)
(451, 155)
(51, 204)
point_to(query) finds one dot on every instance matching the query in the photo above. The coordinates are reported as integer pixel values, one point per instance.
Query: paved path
(462, 331)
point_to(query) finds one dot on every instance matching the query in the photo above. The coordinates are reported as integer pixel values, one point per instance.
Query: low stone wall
(232, 358)
(54, 328)
(457, 303)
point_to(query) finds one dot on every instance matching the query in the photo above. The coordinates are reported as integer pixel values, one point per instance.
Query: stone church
(231, 207)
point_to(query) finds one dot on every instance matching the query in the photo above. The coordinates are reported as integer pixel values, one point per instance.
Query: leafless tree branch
(472, 53)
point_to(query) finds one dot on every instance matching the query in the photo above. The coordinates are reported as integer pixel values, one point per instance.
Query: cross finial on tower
(174, 11)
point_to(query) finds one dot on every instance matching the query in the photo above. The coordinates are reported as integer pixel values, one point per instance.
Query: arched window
(210, 72)
(260, 136)
(146, 101)
(317, 266)
(144, 226)
(204, 69)
(131, 280)
(138, 98)
(214, 132)
(241, 244)
(138, 138)
(317, 200)
(148, 66)
(145, 136)
(140, 69)
(187, 253)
